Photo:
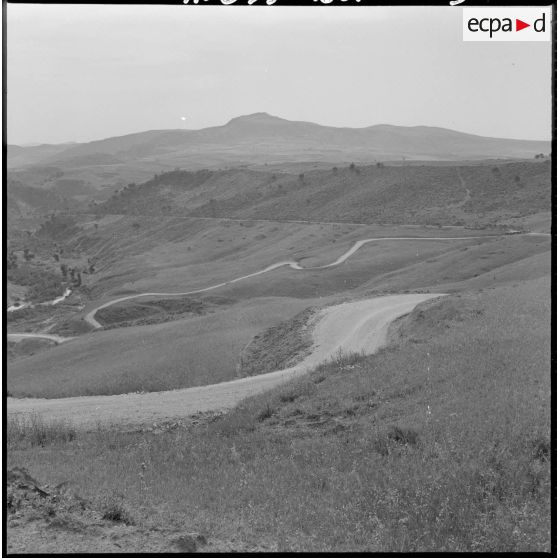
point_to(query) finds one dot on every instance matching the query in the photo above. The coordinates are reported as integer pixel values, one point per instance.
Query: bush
(58, 227)
(113, 509)
(43, 284)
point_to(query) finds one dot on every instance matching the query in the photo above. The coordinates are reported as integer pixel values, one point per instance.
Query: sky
(86, 72)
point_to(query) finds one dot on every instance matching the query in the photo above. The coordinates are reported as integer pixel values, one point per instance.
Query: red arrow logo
(519, 25)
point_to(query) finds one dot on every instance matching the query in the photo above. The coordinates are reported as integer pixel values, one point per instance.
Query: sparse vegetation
(395, 194)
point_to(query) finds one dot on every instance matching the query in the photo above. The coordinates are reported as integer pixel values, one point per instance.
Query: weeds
(33, 430)
(266, 413)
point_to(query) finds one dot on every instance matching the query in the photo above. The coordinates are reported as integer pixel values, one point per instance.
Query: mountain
(264, 137)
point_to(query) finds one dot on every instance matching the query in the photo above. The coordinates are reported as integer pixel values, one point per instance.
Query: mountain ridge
(267, 118)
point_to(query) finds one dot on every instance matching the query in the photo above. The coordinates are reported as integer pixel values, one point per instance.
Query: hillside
(437, 443)
(427, 194)
(250, 140)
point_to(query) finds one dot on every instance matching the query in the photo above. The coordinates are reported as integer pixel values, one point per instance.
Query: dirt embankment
(278, 347)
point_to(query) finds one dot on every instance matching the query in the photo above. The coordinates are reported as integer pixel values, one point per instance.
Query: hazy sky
(78, 72)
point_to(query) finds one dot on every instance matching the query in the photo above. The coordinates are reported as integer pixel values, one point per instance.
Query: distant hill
(477, 194)
(260, 136)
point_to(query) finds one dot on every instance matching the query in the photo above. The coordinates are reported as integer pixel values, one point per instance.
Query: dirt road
(353, 326)
(19, 336)
(90, 316)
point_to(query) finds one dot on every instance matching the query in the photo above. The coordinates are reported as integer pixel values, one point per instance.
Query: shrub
(114, 509)
(58, 227)
(266, 413)
(43, 284)
(403, 436)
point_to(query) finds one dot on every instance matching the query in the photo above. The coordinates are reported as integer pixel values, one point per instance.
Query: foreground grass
(440, 442)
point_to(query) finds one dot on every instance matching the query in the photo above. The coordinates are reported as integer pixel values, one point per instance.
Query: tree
(352, 167)
(301, 177)
(27, 255)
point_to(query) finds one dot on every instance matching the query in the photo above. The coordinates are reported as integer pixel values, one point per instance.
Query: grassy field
(151, 310)
(438, 443)
(27, 347)
(183, 353)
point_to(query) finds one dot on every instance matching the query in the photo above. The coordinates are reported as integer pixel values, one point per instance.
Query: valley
(346, 317)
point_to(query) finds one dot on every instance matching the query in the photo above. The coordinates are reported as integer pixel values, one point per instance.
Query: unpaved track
(20, 336)
(352, 326)
(90, 317)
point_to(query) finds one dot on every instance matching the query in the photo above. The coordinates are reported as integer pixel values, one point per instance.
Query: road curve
(352, 326)
(20, 336)
(90, 316)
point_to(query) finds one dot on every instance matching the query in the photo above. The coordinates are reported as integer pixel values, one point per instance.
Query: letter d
(542, 21)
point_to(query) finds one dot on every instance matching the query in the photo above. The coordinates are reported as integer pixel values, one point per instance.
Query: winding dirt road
(352, 327)
(49, 337)
(90, 316)
(356, 326)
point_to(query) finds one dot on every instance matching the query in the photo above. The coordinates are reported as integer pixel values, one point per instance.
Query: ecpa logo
(507, 24)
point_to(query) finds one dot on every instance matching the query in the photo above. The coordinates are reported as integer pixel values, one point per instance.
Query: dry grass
(439, 443)
(33, 430)
(184, 353)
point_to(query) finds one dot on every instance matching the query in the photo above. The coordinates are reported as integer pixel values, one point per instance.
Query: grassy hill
(205, 349)
(471, 195)
(438, 443)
